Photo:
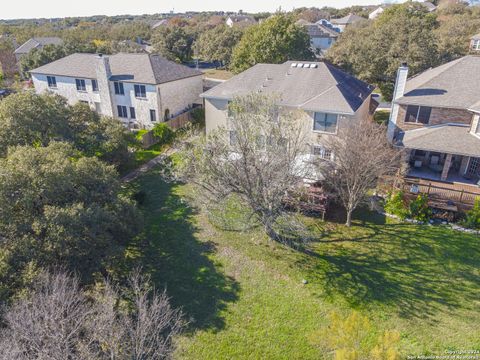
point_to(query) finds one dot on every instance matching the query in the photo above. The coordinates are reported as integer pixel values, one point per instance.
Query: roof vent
(294, 65)
(300, 65)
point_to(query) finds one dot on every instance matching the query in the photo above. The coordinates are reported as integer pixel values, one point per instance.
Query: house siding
(177, 96)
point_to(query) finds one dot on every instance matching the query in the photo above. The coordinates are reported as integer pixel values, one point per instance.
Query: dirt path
(147, 166)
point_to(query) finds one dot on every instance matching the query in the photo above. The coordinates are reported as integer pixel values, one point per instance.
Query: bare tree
(362, 155)
(144, 332)
(49, 323)
(59, 321)
(257, 158)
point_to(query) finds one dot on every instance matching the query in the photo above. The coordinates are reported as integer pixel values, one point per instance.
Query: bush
(395, 205)
(419, 209)
(163, 133)
(472, 219)
(198, 117)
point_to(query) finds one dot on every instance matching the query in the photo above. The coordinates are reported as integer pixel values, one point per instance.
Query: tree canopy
(275, 40)
(374, 51)
(30, 119)
(217, 44)
(59, 208)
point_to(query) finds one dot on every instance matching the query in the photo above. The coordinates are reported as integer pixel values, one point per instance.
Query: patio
(429, 174)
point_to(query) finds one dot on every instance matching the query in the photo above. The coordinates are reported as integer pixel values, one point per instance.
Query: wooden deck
(443, 194)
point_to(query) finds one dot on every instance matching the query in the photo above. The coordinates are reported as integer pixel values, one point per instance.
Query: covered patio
(447, 153)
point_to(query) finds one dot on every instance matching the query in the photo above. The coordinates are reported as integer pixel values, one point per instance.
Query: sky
(27, 9)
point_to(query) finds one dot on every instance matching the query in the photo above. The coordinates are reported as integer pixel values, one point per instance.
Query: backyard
(245, 298)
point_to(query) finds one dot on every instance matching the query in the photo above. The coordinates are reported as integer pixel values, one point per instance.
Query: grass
(218, 74)
(245, 298)
(382, 116)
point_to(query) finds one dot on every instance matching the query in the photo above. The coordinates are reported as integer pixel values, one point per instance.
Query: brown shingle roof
(320, 88)
(138, 68)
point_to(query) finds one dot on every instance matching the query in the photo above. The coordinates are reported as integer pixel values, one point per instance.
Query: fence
(175, 123)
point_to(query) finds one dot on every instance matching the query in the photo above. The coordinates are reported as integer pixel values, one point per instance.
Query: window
(122, 111)
(321, 152)
(476, 45)
(140, 91)
(94, 85)
(153, 115)
(233, 138)
(52, 81)
(418, 114)
(132, 113)
(80, 83)
(119, 88)
(325, 122)
(84, 102)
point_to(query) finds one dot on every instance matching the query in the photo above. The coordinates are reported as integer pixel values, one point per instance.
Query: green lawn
(244, 294)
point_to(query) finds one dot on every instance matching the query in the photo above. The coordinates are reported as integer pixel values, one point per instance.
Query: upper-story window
(52, 81)
(140, 91)
(418, 114)
(94, 85)
(119, 88)
(80, 83)
(325, 122)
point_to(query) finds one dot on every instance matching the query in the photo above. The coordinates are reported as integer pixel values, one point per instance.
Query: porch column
(446, 167)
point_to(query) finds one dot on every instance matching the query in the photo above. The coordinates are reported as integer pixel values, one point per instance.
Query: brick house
(435, 117)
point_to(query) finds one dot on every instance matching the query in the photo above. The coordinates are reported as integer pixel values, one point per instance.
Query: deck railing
(436, 191)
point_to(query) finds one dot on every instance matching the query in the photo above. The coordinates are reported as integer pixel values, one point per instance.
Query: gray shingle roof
(451, 85)
(321, 88)
(318, 30)
(138, 68)
(449, 138)
(346, 20)
(33, 43)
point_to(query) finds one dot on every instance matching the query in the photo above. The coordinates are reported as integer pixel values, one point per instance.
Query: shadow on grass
(169, 251)
(419, 270)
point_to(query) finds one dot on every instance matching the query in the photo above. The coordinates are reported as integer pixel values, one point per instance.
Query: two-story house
(322, 36)
(327, 97)
(139, 89)
(435, 116)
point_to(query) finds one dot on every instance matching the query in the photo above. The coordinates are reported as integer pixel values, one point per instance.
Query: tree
(39, 57)
(8, 61)
(374, 51)
(362, 155)
(217, 44)
(30, 119)
(256, 159)
(60, 208)
(174, 43)
(57, 320)
(275, 40)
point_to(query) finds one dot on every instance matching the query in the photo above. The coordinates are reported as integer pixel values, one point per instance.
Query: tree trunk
(349, 218)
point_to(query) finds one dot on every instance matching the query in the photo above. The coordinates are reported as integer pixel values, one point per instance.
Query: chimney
(399, 91)
(104, 73)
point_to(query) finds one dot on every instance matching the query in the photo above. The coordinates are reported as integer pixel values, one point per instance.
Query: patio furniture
(417, 164)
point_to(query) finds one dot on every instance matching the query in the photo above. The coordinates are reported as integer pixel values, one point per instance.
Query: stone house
(139, 89)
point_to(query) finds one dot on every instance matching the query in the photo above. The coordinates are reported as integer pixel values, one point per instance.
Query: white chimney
(103, 72)
(399, 91)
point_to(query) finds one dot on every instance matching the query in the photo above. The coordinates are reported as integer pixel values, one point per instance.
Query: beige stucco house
(327, 97)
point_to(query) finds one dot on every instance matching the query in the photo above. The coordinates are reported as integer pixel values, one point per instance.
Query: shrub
(472, 219)
(198, 117)
(163, 133)
(419, 209)
(395, 205)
